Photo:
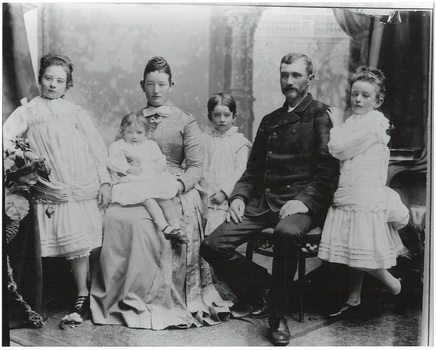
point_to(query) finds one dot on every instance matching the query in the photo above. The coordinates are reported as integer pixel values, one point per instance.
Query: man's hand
(293, 207)
(336, 116)
(236, 210)
(218, 198)
(104, 196)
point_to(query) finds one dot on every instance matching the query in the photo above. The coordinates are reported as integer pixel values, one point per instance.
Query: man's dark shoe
(279, 332)
(260, 310)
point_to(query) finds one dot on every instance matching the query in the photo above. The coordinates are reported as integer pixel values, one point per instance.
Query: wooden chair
(264, 240)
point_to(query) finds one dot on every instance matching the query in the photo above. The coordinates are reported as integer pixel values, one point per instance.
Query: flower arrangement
(22, 168)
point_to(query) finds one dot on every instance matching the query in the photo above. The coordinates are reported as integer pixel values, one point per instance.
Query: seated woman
(144, 280)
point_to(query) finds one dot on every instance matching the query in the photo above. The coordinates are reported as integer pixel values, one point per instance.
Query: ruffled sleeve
(158, 157)
(97, 148)
(357, 135)
(117, 161)
(241, 158)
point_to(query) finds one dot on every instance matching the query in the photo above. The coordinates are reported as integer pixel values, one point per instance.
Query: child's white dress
(153, 182)
(225, 160)
(361, 225)
(63, 134)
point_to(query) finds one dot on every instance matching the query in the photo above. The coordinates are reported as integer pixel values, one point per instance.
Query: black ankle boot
(278, 331)
(260, 309)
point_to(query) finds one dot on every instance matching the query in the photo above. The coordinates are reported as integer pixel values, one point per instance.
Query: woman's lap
(142, 277)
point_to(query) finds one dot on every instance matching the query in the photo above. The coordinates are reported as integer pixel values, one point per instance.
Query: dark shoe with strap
(279, 332)
(346, 311)
(81, 305)
(260, 310)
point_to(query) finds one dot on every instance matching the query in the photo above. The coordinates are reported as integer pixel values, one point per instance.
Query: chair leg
(250, 250)
(301, 279)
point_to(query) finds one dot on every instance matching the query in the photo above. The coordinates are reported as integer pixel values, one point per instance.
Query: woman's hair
(158, 64)
(221, 99)
(371, 75)
(133, 119)
(294, 56)
(56, 60)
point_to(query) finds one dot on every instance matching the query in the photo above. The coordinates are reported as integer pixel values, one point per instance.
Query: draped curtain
(18, 76)
(24, 252)
(403, 55)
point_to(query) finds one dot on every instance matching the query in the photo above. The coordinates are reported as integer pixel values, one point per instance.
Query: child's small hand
(218, 198)
(135, 170)
(336, 116)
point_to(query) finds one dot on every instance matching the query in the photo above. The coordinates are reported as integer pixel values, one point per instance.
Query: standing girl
(137, 165)
(361, 226)
(226, 155)
(67, 206)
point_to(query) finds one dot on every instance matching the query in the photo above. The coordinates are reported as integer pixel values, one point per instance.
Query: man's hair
(294, 56)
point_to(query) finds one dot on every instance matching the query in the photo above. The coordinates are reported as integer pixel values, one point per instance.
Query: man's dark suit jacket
(290, 160)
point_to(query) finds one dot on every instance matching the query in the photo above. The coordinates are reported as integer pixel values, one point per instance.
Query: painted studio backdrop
(237, 49)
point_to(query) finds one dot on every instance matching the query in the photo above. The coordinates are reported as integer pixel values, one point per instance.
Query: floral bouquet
(22, 168)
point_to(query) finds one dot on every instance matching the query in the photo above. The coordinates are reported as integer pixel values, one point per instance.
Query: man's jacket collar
(282, 116)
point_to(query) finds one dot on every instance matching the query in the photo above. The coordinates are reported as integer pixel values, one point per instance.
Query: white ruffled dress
(63, 134)
(361, 225)
(225, 160)
(153, 182)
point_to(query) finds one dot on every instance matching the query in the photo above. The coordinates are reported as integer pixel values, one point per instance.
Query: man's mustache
(289, 88)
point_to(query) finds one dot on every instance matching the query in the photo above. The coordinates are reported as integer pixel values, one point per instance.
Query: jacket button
(274, 133)
(267, 190)
(288, 186)
(294, 131)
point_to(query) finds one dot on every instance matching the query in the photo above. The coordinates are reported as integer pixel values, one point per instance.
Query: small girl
(67, 203)
(361, 225)
(138, 172)
(226, 155)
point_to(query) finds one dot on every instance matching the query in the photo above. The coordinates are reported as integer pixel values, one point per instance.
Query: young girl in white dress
(138, 171)
(226, 155)
(361, 225)
(67, 207)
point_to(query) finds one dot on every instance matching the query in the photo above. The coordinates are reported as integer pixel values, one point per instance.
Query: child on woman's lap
(138, 170)
(361, 225)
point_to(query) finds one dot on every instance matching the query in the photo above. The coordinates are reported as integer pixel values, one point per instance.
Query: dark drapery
(24, 251)
(404, 58)
(18, 75)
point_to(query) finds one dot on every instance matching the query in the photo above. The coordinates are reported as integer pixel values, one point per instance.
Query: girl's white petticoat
(153, 182)
(361, 225)
(225, 160)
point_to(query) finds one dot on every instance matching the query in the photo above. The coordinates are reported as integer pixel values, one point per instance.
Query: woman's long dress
(361, 225)
(144, 281)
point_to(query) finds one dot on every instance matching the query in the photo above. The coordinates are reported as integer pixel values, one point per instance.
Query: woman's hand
(336, 116)
(293, 207)
(104, 196)
(181, 187)
(236, 210)
(218, 198)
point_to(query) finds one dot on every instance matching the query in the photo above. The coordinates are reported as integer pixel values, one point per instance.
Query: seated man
(288, 184)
